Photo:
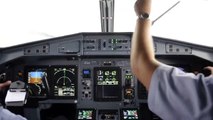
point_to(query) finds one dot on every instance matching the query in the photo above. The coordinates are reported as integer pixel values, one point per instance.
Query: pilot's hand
(143, 7)
(5, 84)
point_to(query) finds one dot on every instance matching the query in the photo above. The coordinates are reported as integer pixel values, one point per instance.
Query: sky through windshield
(24, 21)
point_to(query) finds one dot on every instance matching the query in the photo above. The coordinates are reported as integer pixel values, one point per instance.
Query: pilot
(172, 93)
(4, 113)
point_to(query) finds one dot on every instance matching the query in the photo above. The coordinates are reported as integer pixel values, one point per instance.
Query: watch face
(145, 15)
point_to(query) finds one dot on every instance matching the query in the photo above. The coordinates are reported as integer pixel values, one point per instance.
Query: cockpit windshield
(26, 21)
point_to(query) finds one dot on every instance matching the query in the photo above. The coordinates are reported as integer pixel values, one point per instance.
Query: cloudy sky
(23, 21)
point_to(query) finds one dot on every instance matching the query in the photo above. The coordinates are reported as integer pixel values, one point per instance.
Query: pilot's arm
(4, 113)
(172, 93)
(143, 62)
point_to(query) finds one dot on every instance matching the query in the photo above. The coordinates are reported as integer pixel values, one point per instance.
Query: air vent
(91, 45)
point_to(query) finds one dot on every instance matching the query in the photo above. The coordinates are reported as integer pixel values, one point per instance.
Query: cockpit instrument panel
(87, 76)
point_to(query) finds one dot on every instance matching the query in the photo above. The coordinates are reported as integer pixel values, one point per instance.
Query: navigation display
(65, 78)
(107, 83)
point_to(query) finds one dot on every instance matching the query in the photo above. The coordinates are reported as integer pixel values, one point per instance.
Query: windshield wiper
(165, 12)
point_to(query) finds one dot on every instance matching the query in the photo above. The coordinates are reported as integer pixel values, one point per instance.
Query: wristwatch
(143, 16)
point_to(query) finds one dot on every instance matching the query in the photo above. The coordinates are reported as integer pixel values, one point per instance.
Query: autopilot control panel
(87, 76)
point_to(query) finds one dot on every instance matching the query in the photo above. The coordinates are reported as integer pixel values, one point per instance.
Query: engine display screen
(37, 81)
(107, 77)
(86, 114)
(65, 79)
(129, 114)
(107, 83)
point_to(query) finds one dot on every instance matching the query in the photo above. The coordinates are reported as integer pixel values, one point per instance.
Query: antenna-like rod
(165, 12)
(107, 15)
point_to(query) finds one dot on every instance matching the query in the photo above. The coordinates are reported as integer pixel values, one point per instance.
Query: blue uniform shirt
(7, 115)
(176, 95)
